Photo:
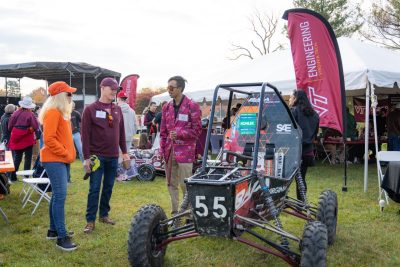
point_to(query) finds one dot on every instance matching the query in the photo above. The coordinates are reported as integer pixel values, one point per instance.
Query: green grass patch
(365, 236)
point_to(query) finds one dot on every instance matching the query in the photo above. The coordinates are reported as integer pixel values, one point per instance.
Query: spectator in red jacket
(22, 125)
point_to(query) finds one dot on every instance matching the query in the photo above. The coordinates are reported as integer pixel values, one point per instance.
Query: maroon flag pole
(318, 68)
(129, 84)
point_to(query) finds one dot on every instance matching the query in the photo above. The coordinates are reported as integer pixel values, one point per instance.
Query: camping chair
(384, 156)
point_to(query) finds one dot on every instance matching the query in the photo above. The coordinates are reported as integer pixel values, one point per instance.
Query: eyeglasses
(171, 88)
(69, 94)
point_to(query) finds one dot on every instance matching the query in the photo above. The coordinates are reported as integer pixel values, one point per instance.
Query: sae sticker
(247, 123)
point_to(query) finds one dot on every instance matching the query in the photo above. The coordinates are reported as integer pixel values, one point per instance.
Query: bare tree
(264, 27)
(384, 24)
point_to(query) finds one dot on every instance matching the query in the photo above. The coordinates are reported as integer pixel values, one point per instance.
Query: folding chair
(3, 214)
(327, 153)
(36, 172)
(33, 184)
(385, 156)
(23, 174)
(27, 174)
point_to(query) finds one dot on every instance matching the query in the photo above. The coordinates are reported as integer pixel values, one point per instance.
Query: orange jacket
(57, 137)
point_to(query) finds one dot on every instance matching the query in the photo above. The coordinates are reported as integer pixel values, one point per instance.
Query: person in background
(351, 126)
(38, 135)
(351, 135)
(76, 119)
(225, 120)
(180, 129)
(142, 126)
(381, 122)
(22, 125)
(144, 142)
(393, 128)
(201, 141)
(308, 120)
(157, 118)
(9, 110)
(149, 121)
(103, 134)
(56, 156)
(129, 118)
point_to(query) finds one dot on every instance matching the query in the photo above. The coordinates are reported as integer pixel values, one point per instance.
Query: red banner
(318, 65)
(129, 84)
(359, 108)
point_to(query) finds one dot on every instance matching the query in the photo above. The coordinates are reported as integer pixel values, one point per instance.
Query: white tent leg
(366, 133)
(374, 103)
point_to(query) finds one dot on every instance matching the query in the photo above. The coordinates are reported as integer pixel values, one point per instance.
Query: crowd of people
(387, 129)
(106, 128)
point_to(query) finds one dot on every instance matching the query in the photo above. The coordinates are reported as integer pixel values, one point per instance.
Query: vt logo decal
(319, 102)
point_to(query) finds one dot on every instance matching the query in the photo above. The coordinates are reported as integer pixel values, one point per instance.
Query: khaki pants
(176, 173)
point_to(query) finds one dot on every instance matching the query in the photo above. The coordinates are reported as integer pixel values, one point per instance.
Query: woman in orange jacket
(56, 155)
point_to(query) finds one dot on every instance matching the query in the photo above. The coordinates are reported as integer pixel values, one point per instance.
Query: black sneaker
(52, 235)
(66, 244)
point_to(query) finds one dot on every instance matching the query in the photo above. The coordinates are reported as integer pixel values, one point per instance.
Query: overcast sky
(155, 39)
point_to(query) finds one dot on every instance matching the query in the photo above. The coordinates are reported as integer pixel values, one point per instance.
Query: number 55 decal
(203, 212)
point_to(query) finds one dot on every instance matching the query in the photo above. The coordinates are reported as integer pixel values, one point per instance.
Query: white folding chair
(25, 187)
(3, 214)
(24, 174)
(384, 156)
(33, 184)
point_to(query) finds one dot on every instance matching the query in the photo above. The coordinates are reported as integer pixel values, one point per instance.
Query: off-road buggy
(247, 190)
(148, 162)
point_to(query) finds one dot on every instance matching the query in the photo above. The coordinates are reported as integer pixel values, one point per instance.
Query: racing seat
(248, 151)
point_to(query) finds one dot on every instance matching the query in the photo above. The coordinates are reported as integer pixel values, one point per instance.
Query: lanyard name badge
(183, 117)
(100, 114)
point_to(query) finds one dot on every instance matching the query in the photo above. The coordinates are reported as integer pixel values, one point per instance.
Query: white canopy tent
(362, 63)
(368, 70)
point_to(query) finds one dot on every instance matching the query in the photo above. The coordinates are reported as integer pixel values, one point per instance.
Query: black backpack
(4, 185)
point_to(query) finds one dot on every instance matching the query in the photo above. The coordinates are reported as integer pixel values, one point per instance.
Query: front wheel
(144, 237)
(327, 213)
(314, 245)
(146, 172)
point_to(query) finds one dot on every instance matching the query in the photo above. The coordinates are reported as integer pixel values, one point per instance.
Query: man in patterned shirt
(180, 128)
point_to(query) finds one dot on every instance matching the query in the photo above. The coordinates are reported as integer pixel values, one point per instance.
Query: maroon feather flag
(129, 84)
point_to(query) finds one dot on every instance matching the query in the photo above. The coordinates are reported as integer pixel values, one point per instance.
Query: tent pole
(366, 133)
(344, 187)
(19, 88)
(374, 103)
(97, 90)
(6, 90)
(84, 89)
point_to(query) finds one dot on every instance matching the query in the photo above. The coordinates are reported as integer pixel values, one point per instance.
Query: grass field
(365, 236)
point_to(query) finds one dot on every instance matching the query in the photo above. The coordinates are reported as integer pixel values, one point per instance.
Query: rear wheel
(314, 245)
(144, 237)
(146, 172)
(327, 213)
